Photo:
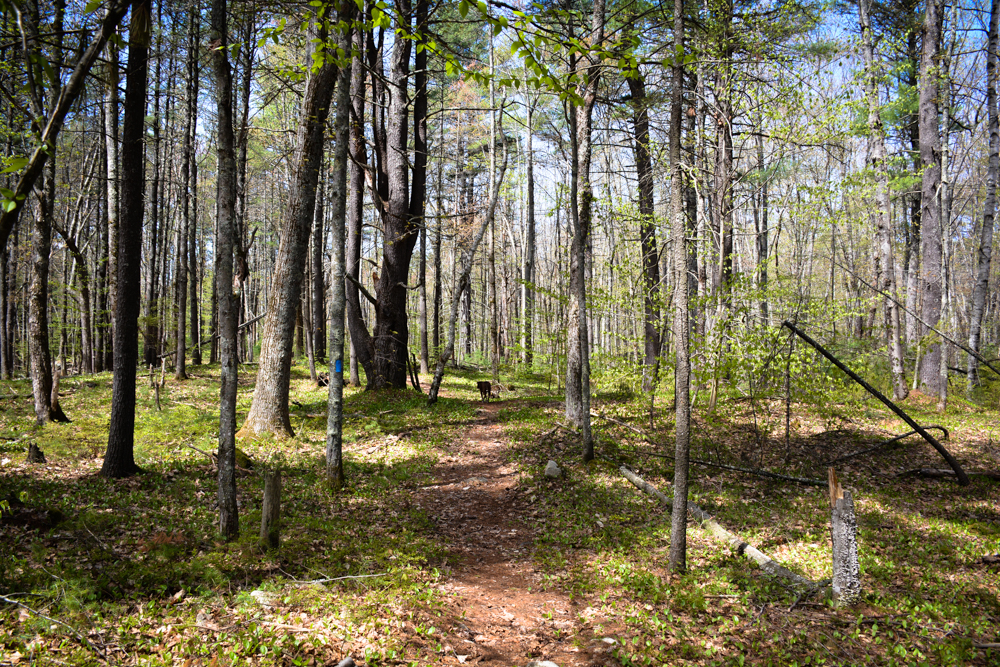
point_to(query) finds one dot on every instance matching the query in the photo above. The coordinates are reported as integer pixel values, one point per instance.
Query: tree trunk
(528, 274)
(318, 296)
(682, 369)
(883, 207)
(404, 208)
(225, 242)
(185, 230)
(647, 227)
(578, 353)
(984, 254)
(930, 204)
(269, 410)
(361, 344)
(335, 410)
(151, 338)
(119, 460)
(38, 318)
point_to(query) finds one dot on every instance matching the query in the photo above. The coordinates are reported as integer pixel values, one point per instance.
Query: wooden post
(844, 531)
(270, 517)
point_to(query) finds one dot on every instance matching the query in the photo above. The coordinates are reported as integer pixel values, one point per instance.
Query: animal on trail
(485, 390)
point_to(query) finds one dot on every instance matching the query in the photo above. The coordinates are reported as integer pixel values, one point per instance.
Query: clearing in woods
(450, 545)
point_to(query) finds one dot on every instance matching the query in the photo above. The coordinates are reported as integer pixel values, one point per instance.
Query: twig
(210, 457)
(55, 620)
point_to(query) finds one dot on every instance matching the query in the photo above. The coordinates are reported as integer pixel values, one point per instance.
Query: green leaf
(9, 205)
(92, 6)
(16, 164)
(7, 194)
(463, 8)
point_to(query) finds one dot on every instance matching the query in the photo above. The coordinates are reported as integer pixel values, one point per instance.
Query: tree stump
(844, 531)
(35, 455)
(270, 517)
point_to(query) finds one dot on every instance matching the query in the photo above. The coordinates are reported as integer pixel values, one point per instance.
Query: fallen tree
(963, 479)
(765, 562)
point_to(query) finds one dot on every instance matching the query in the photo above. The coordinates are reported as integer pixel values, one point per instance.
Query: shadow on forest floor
(450, 546)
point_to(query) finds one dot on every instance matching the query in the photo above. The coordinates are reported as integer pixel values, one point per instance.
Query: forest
(565, 333)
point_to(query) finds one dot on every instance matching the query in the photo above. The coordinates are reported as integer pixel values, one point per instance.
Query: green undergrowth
(137, 568)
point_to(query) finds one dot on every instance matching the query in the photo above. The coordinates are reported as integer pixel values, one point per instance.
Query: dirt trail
(500, 615)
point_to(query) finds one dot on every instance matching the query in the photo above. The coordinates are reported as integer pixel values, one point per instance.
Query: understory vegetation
(133, 571)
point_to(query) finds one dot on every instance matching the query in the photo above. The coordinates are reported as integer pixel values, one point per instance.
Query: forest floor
(450, 546)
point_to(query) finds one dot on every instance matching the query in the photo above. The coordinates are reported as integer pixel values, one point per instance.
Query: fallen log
(963, 479)
(765, 562)
(847, 457)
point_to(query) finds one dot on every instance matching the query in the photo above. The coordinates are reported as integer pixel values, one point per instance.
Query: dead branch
(963, 479)
(55, 620)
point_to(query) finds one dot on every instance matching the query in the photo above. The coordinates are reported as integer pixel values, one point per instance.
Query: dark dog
(485, 390)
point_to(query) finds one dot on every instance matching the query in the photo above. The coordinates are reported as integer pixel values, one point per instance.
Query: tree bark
(582, 194)
(404, 208)
(361, 343)
(269, 410)
(225, 242)
(184, 232)
(984, 254)
(647, 227)
(682, 368)
(931, 273)
(528, 273)
(119, 459)
(335, 409)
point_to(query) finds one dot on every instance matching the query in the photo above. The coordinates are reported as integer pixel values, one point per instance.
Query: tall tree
(647, 226)
(225, 235)
(588, 69)
(335, 409)
(682, 368)
(269, 409)
(399, 191)
(984, 254)
(119, 459)
(932, 271)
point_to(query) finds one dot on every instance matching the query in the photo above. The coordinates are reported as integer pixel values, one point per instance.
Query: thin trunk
(528, 274)
(647, 228)
(119, 460)
(361, 346)
(225, 235)
(318, 296)
(682, 369)
(151, 339)
(335, 412)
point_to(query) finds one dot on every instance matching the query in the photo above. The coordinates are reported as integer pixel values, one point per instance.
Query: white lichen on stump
(844, 531)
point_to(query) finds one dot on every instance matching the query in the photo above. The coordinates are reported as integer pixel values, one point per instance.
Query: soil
(501, 615)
